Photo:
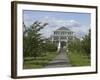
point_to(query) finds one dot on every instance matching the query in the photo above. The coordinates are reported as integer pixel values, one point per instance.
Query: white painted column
(52, 39)
(59, 46)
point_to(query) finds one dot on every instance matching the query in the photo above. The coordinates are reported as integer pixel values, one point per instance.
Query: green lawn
(39, 62)
(79, 59)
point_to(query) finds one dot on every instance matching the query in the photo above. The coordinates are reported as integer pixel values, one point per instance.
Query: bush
(50, 47)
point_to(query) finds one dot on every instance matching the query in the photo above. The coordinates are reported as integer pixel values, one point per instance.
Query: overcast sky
(77, 22)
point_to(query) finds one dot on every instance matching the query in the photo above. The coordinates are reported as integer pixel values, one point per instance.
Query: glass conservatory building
(61, 36)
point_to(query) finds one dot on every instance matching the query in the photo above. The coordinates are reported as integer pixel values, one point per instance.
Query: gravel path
(61, 60)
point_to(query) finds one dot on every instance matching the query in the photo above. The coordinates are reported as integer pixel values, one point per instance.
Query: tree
(86, 42)
(74, 45)
(82, 46)
(50, 47)
(32, 41)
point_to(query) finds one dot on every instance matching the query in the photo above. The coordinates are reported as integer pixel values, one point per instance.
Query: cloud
(60, 22)
(79, 29)
(54, 23)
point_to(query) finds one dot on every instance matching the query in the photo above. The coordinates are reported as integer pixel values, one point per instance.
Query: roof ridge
(62, 28)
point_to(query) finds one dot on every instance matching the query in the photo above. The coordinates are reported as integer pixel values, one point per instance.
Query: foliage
(86, 43)
(35, 45)
(40, 62)
(79, 59)
(50, 47)
(32, 40)
(74, 45)
(79, 51)
(81, 46)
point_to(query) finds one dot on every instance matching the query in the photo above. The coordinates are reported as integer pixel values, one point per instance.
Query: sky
(79, 23)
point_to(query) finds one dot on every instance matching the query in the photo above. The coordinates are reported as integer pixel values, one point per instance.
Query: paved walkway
(61, 60)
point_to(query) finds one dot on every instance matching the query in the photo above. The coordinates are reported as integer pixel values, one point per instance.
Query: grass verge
(79, 59)
(39, 62)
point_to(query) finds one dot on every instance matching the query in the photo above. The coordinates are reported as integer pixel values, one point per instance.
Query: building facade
(61, 37)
